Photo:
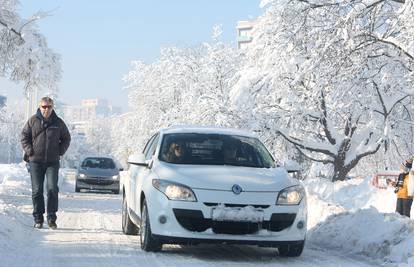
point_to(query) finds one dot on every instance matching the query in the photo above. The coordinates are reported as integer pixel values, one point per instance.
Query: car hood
(99, 172)
(224, 177)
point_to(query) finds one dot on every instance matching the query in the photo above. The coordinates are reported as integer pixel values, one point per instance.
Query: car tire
(291, 250)
(77, 188)
(147, 240)
(128, 227)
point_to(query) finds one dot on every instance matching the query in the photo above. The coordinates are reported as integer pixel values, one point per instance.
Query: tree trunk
(341, 170)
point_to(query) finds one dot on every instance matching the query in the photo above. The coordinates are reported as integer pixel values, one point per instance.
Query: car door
(145, 172)
(135, 171)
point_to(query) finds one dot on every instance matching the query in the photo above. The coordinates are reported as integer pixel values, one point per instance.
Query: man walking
(45, 138)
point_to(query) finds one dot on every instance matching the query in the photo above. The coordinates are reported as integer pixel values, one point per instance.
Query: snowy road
(89, 234)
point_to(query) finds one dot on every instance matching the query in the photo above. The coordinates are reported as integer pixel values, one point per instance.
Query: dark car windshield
(214, 149)
(100, 163)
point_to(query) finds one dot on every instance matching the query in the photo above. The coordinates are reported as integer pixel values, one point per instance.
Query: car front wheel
(128, 227)
(148, 242)
(77, 188)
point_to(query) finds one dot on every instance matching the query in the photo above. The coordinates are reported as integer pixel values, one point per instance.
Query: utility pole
(32, 98)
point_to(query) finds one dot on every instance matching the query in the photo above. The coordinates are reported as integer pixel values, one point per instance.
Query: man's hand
(391, 182)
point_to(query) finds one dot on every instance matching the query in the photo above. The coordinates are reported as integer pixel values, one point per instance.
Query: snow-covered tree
(11, 124)
(331, 77)
(24, 54)
(184, 86)
(98, 137)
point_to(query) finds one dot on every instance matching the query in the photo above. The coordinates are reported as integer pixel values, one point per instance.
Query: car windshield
(214, 149)
(99, 163)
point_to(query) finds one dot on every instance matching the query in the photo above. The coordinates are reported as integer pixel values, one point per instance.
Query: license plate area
(237, 214)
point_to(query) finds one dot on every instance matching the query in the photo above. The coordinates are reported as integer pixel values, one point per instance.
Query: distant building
(244, 33)
(90, 109)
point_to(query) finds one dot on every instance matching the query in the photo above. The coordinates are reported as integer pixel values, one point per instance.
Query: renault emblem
(236, 189)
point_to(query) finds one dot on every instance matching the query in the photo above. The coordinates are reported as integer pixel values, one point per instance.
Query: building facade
(244, 33)
(90, 109)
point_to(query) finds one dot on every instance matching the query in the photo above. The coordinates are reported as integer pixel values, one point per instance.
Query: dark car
(98, 173)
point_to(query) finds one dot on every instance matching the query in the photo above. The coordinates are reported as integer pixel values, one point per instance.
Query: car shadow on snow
(233, 253)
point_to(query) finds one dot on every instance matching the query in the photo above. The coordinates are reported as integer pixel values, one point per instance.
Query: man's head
(230, 148)
(178, 149)
(46, 106)
(407, 165)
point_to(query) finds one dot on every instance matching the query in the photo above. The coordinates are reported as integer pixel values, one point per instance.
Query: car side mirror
(138, 159)
(291, 166)
(121, 169)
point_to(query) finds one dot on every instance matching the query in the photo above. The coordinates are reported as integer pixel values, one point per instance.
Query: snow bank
(14, 224)
(14, 179)
(357, 218)
(352, 194)
(386, 236)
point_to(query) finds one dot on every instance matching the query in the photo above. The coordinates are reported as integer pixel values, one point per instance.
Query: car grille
(193, 220)
(98, 181)
(212, 204)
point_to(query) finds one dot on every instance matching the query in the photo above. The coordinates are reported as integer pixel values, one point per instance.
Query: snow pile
(14, 179)
(352, 194)
(357, 218)
(385, 236)
(14, 224)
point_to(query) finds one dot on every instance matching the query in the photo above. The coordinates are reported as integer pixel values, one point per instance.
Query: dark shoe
(38, 225)
(52, 225)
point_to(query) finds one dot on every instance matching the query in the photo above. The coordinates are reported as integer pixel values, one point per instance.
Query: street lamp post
(32, 96)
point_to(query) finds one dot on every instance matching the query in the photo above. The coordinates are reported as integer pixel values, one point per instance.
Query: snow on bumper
(251, 216)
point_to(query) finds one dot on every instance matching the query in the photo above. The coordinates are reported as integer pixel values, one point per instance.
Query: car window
(152, 147)
(148, 144)
(98, 163)
(214, 149)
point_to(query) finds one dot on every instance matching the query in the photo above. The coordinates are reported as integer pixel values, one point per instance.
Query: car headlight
(174, 191)
(291, 196)
(115, 177)
(82, 175)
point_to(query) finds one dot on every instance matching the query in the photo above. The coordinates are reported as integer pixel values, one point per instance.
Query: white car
(212, 185)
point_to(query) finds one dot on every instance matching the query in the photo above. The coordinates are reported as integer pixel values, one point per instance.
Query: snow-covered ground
(350, 224)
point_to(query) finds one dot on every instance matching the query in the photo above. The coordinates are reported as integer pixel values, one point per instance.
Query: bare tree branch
(324, 120)
(324, 161)
(301, 145)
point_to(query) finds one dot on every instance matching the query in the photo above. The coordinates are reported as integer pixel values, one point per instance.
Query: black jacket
(46, 146)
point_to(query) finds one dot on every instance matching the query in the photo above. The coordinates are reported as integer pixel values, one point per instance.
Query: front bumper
(98, 184)
(196, 241)
(191, 222)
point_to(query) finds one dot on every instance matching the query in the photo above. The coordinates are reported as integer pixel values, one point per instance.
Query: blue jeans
(404, 206)
(38, 171)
